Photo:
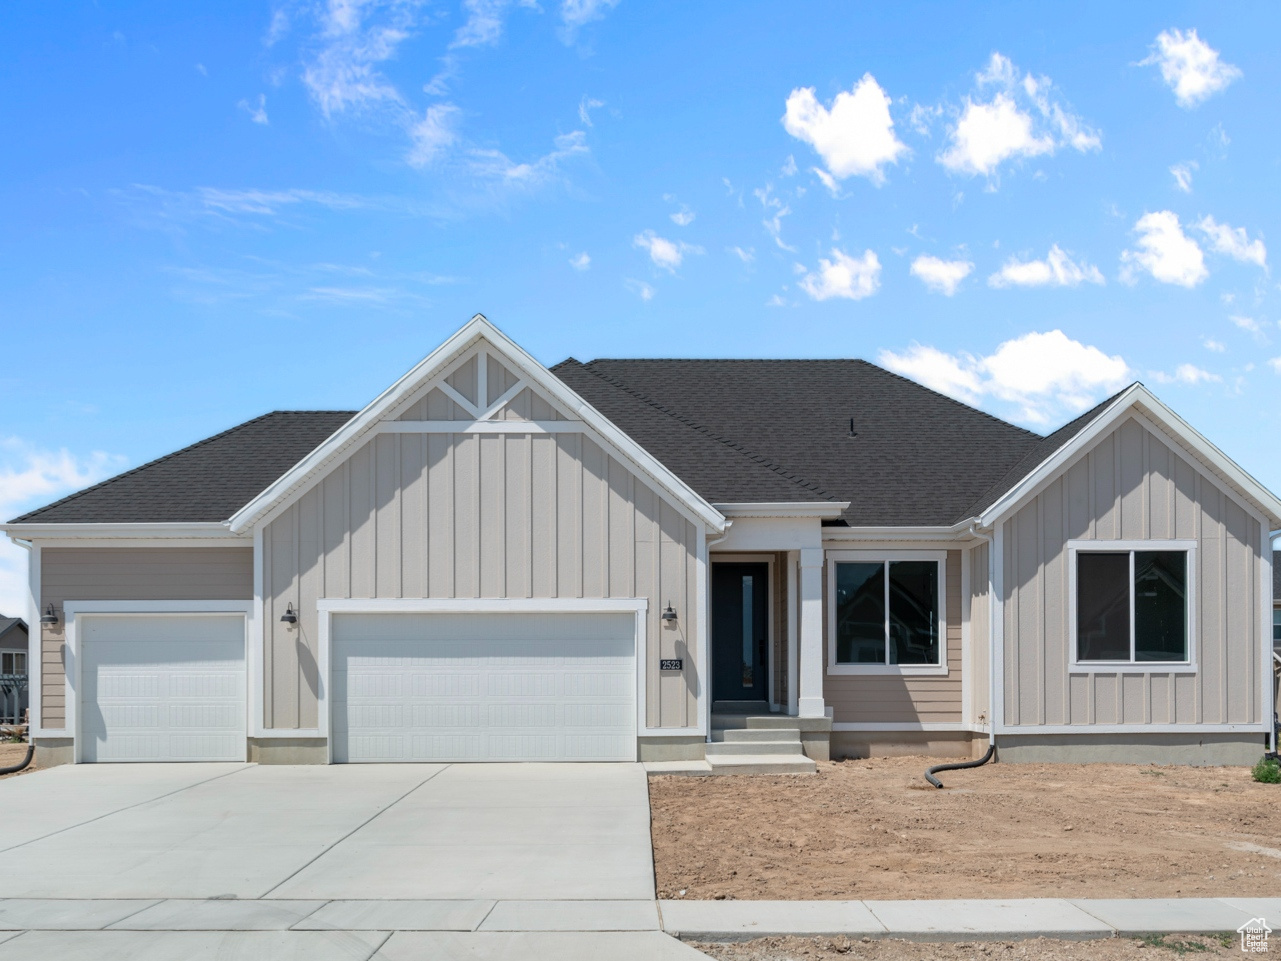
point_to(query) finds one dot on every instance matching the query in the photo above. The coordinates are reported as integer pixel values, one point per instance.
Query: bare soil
(10, 754)
(1168, 946)
(873, 829)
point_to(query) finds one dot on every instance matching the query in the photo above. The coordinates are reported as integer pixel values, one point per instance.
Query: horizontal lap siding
(1132, 485)
(479, 515)
(128, 574)
(905, 699)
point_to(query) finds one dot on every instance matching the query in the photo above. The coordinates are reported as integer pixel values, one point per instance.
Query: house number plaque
(671, 663)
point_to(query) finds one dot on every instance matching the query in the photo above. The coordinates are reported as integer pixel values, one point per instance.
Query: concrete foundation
(948, 744)
(1196, 748)
(288, 750)
(672, 748)
(54, 751)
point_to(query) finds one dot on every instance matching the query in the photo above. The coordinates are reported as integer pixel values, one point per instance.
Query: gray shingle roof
(11, 628)
(208, 481)
(736, 431)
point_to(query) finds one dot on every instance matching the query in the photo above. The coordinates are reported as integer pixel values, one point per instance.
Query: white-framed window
(1131, 605)
(13, 662)
(1276, 627)
(886, 612)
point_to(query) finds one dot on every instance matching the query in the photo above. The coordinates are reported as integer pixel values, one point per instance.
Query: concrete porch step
(747, 734)
(723, 749)
(760, 763)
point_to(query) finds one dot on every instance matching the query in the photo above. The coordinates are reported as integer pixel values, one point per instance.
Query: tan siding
(129, 574)
(480, 515)
(1132, 484)
(899, 698)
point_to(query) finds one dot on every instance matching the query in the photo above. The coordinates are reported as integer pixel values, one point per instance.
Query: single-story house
(14, 644)
(494, 560)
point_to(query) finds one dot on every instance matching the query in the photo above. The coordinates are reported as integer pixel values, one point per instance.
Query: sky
(210, 211)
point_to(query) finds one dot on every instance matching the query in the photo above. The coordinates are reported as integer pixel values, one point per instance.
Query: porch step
(744, 748)
(760, 764)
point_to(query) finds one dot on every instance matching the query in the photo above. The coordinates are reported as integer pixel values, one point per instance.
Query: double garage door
(404, 687)
(483, 687)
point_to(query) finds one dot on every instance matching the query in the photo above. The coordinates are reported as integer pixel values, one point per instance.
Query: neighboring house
(494, 560)
(13, 669)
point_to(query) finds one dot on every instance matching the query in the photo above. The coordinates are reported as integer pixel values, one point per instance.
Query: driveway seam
(1115, 932)
(389, 933)
(127, 807)
(482, 921)
(362, 824)
(133, 914)
(323, 904)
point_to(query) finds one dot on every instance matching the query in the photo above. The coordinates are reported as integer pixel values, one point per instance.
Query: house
(13, 669)
(618, 559)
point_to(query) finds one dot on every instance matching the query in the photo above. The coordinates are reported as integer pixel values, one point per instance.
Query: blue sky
(211, 211)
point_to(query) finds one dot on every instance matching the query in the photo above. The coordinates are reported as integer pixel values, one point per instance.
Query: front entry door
(740, 632)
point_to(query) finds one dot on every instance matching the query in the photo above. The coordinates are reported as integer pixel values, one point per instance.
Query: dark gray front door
(740, 632)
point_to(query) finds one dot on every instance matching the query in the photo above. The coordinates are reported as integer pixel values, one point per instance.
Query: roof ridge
(707, 432)
(31, 515)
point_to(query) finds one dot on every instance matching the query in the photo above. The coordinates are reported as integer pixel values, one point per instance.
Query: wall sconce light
(668, 614)
(290, 616)
(50, 617)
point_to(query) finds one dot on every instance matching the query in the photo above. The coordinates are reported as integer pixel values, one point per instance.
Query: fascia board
(820, 509)
(215, 530)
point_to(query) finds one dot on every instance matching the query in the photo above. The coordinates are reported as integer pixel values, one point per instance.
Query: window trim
(1188, 666)
(894, 670)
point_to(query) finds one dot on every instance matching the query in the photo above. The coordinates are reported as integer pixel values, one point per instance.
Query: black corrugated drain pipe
(15, 768)
(929, 774)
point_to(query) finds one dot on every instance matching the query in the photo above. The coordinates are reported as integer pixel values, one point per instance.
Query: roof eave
(206, 530)
(822, 510)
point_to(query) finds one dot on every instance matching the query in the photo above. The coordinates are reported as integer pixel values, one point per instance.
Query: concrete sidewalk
(962, 920)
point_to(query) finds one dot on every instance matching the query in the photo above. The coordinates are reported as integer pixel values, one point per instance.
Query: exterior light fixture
(290, 616)
(50, 617)
(669, 614)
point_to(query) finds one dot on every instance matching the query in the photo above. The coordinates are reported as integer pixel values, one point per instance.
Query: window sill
(1131, 667)
(888, 670)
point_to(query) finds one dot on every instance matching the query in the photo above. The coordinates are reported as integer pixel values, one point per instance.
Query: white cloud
(776, 210)
(745, 255)
(1182, 174)
(683, 217)
(641, 289)
(484, 24)
(855, 137)
(497, 168)
(941, 276)
(1190, 67)
(668, 254)
(1022, 119)
(31, 477)
(827, 180)
(574, 14)
(1164, 251)
(1275, 364)
(433, 135)
(585, 108)
(257, 111)
(1056, 270)
(1046, 376)
(1187, 374)
(1250, 326)
(851, 278)
(1234, 242)
(581, 262)
(355, 38)
(1215, 346)
(789, 168)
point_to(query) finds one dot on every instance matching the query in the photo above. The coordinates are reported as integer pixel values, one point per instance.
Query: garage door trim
(636, 606)
(75, 659)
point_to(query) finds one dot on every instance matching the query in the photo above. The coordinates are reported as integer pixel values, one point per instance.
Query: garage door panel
(484, 687)
(163, 687)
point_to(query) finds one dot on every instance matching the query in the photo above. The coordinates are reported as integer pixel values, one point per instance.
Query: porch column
(811, 604)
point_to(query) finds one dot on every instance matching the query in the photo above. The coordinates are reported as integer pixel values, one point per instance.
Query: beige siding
(882, 698)
(128, 574)
(1132, 484)
(479, 515)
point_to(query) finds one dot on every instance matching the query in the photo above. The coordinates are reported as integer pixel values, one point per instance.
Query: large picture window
(1132, 606)
(887, 613)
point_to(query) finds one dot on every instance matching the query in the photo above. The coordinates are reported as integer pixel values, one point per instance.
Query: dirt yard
(873, 829)
(12, 754)
(1115, 949)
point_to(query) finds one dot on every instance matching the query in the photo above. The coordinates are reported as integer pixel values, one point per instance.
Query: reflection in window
(1131, 606)
(887, 612)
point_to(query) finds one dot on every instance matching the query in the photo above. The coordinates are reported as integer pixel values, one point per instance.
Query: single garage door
(484, 687)
(162, 687)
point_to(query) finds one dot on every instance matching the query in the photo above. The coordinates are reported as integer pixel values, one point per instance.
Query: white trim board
(285, 489)
(1137, 728)
(73, 682)
(906, 727)
(821, 509)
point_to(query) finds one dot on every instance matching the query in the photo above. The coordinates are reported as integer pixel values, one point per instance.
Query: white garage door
(162, 687)
(484, 687)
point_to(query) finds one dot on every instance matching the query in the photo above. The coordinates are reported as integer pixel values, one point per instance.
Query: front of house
(498, 561)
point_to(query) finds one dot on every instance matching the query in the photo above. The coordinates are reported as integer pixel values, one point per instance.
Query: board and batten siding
(128, 574)
(452, 515)
(902, 698)
(1133, 484)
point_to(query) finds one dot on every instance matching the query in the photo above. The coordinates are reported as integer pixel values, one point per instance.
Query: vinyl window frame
(11, 657)
(835, 667)
(1187, 666)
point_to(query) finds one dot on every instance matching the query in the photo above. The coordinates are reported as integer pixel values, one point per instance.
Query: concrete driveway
(480, 832)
